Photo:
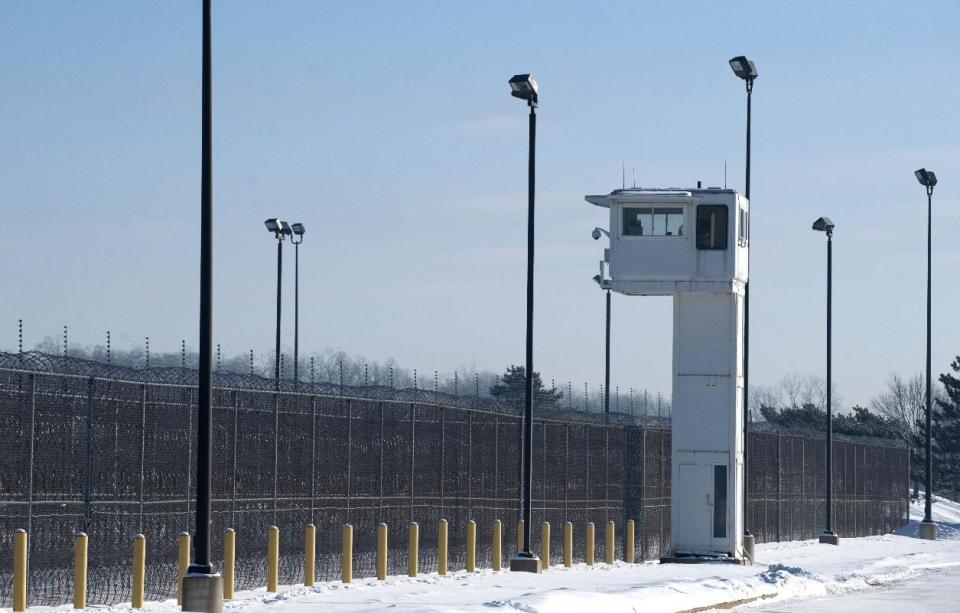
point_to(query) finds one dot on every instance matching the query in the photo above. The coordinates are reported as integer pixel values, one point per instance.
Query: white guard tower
(692, 244)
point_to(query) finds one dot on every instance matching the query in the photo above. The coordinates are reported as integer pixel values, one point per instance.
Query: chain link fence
(114, 457)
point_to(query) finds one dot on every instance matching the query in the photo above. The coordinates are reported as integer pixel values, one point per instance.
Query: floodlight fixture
(524, 86)
(743, 68)
(275, 225)
(298, 229)
(927, 178)
(285, 228)
(824, 225)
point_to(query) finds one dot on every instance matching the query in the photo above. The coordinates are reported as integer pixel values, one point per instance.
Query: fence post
(471, 546)
(80, 571)
(229, 561)
(496, 553)
(380, 514)
(31, 432)
(88, 472)
(143, 443)
(567, 544)
(139, 570)
(545, 545)
(273, 558)
(628, 552)
(382, 551)
(183, 561)
(349, 455)
(309, 555)
(443, 450)
(347, 574)
(611, 541)
(442, 548)
(590, 550)
(233, 476)
(413, 548)
(313, 455)
(20, 570)
(186, 517)
(413, 452)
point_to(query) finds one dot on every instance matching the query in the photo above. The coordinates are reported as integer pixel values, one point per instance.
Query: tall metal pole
(279, 295)
(829, 484)
(296, 313)
(746, 326)
(606, 376)
(202, 590)
(528, 401)
(928, 503)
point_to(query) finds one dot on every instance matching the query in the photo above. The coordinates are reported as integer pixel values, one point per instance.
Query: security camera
(596, 234)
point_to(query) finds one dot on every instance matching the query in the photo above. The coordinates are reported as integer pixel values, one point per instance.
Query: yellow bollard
(471, 546)
(567, 544)
(347, 575)
(139, 570)
(183, 561)
(309, 555)
(611, 542)
(80, 571)
(273, 558)
(382, 552)
(589, 554)
(519, 536)
(20, 570)
(545, 546)
(229, 562)
(629, 553)
(442, 548)
(497, 561)
(413, 548)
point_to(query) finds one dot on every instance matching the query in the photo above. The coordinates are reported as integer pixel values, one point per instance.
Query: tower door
(695, 515)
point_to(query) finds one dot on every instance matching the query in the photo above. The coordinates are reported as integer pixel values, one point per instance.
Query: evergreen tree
(513, 385)
(946, 434)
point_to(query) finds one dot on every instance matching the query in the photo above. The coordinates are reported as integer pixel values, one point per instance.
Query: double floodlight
(279, 227)
(743, 68)
(524, 86)
(824, 225)
(927, 178)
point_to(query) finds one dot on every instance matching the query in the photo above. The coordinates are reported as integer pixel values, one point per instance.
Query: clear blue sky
(387, 128)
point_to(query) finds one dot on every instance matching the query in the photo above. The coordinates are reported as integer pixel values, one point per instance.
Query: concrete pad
(203, 593)
(928, 531)
(829, 538)
(524, 564)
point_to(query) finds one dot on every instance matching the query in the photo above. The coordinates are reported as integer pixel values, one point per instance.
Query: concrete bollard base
(203, 593)
(749, 545)
(928, 530)
(525, 564)
(829, 538)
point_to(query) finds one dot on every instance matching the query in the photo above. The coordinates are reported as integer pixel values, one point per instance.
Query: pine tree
(946, 434)
(513, 384)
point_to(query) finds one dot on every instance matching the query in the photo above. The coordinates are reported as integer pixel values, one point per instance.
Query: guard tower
(692, 244)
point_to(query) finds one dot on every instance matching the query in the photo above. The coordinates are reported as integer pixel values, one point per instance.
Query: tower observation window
(653, 221)
(712, 226)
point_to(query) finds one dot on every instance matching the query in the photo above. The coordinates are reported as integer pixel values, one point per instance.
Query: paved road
(934, 591)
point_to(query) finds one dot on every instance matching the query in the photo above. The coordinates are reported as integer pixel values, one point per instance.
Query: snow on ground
(864, 572)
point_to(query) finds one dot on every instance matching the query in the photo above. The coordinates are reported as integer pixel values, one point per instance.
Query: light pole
(524, 86)
(202, 588)
(928, 529)
(298, 232)
(597, 232)
(746, 70)
(280, 229)
(828, 536)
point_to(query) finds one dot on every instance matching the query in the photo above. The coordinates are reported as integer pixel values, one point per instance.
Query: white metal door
(695, 515)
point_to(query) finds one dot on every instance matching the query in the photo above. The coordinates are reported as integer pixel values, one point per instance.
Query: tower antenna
(724, 174)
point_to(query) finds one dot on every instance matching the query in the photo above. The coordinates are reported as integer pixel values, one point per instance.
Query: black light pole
(523, 86)
(280, 229)
(828, 536)
(746, 70)
(928, 529)
(606, 371)
(202, 589)
(298, 232)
